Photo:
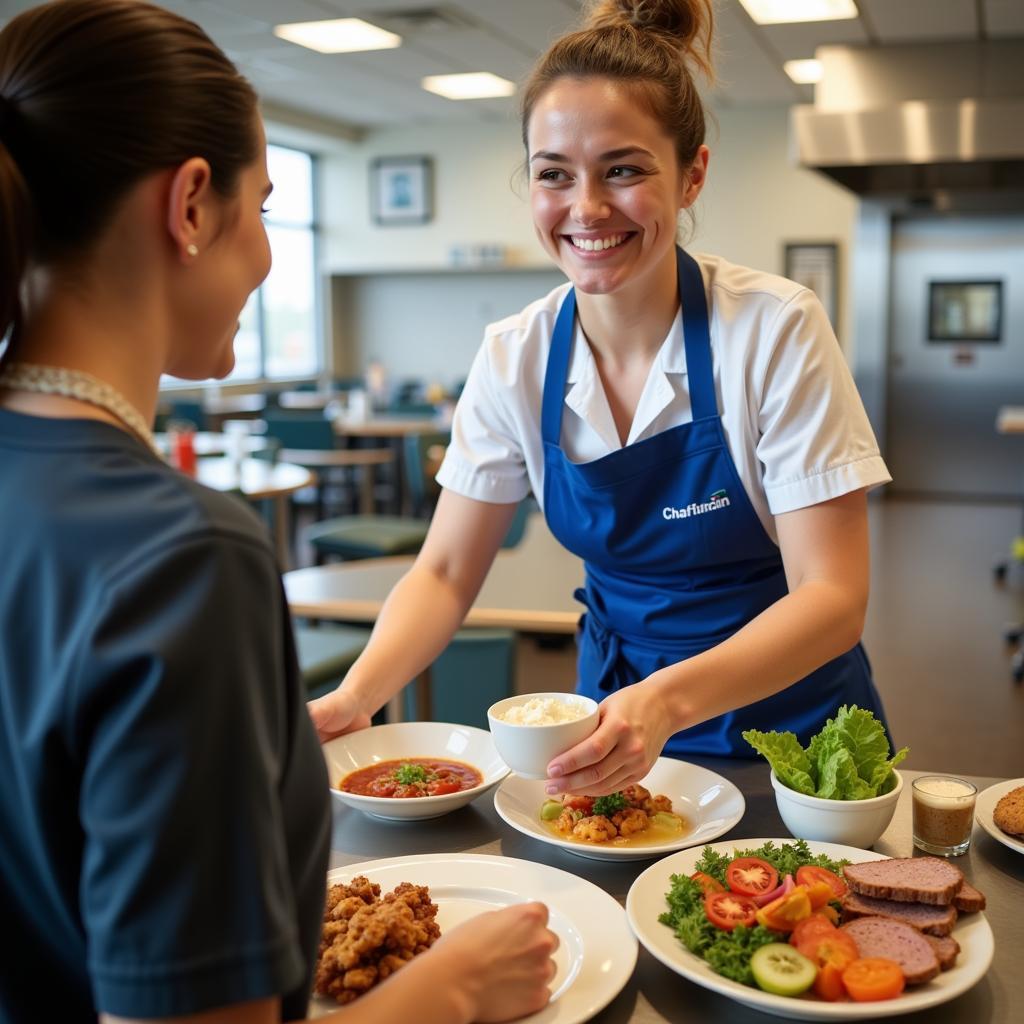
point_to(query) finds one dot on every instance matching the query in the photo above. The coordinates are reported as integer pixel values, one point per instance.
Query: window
(279, 335)
(279, 332)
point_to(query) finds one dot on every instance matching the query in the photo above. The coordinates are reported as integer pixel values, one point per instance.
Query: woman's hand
(635, 724)
(337, 713)
(500, 960)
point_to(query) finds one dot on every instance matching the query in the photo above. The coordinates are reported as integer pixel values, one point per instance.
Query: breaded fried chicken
(365, 938)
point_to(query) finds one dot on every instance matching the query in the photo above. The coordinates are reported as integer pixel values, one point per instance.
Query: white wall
(755, 201)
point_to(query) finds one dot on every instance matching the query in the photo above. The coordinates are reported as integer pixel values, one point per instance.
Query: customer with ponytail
(689, 427)
(164, 815)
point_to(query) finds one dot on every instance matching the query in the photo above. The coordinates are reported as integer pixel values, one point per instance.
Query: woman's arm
(422, 612)
(825, 553)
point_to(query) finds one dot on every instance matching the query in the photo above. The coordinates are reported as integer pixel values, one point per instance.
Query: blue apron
(676, 558)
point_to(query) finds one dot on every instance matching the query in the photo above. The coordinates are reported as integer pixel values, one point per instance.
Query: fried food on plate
(365, 938)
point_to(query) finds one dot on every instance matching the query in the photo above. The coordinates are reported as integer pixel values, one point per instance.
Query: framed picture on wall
(815, 265)
(401, 190)
(965, 311)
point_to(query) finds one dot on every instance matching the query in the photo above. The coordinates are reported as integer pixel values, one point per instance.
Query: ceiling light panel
(788, 12)
(340, 35)
(476, 85)
(804, 72)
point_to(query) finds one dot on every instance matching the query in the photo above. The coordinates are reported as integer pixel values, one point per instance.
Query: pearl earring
(192, 249)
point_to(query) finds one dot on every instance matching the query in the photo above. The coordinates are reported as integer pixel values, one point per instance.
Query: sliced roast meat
(920, 916)
(906, 879)
(968, 899)
(894, 940)
(946, 949)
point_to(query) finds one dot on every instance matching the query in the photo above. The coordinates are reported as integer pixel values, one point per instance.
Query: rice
(543, 711)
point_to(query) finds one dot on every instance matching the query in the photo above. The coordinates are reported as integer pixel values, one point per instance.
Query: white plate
(986, 804)
(712, 804)
(646, 901)
(596, 953)
(412, 739)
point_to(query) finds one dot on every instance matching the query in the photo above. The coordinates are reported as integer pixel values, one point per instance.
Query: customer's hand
(501, 961)
(635, 724)
(337, 713)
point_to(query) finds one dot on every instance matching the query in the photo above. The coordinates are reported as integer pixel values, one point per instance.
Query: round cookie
(1009, 812)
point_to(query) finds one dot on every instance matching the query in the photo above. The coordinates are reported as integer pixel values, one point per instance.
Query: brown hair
(94, 95)
(648, 44)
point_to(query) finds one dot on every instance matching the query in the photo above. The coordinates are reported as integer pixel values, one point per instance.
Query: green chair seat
(355, 537)
(474, 671)
(327, 653)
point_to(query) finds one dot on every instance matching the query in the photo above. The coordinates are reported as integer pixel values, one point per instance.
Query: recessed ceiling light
(804, 72)
(476, 85)
(341, 35)
(782, 12)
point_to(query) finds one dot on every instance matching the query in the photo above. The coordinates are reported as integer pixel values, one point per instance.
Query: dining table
(529, 588)
(260, 480)
(657, 995)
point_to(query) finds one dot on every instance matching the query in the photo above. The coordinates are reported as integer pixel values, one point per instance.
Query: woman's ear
(694, 178)
(188, 207)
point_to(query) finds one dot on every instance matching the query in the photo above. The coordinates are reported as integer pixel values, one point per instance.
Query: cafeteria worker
(688, 426)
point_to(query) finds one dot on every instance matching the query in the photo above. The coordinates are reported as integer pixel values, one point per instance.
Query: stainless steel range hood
(936, 125)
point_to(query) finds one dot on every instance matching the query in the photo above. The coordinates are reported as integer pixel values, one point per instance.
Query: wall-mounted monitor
(965, 311)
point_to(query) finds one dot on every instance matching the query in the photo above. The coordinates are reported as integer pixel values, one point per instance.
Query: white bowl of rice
(532, 728)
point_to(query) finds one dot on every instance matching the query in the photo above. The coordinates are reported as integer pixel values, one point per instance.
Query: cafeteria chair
(356, 537)
(188, 412)
(308, 439)
(326, 653)
(476, 669)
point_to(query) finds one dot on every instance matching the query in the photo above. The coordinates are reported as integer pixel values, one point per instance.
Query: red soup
(411, 776)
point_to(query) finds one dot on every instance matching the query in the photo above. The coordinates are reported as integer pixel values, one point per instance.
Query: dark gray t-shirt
(164, 814)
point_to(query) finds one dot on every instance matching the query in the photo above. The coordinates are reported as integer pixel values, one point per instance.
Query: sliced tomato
(809, 874)
(443, 787)
(581, 803)
(727, 910)
(872, 978)
(828, 983)
(785, 913)
(751, 876)
(809, 932)
(706, 882)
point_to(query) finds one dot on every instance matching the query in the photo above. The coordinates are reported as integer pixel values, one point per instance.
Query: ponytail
(15, 226)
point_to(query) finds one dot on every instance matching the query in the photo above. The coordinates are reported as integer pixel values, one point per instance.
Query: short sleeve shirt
(164, 814)
(793, 420)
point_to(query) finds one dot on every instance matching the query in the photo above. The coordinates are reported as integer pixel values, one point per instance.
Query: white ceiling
(505, 36)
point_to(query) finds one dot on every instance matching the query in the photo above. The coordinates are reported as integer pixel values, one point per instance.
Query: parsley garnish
(608, 805)
(407, 774)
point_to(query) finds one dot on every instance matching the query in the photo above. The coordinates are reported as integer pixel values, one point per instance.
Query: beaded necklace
(58, 380)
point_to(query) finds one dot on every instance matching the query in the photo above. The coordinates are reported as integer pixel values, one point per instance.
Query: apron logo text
(717, 500)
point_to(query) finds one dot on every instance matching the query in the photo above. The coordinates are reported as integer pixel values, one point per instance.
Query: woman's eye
(552, 174)
(624, 172)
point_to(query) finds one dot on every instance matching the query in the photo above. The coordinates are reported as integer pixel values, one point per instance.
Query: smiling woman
(689, 427)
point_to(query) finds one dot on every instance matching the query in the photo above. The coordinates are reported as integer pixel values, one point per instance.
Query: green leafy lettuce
(848, 760)
(729, 953)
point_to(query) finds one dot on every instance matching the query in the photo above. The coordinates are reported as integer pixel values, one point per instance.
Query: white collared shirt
(793, 421)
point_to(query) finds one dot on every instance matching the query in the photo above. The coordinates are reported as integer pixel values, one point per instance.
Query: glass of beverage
(943, 814)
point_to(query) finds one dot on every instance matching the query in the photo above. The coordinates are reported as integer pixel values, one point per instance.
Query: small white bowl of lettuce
(843, 788)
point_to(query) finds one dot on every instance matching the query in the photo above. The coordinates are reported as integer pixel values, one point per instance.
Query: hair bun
(689, 23)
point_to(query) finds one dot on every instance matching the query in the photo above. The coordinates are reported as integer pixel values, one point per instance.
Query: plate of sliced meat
(1000, 812)
(918, 913)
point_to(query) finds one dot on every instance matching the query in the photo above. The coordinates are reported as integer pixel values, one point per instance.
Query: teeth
(596, 244)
